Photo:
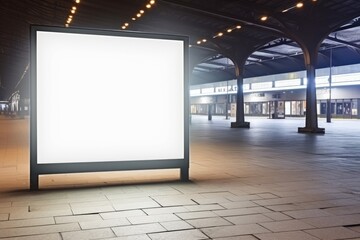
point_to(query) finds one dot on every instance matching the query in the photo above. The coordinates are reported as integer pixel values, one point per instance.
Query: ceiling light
(299, 5)
(148, 5)
(142, 11)
(134, 19)
(77, 1)
(74, 8)
(229, 30)
(263, 18)
(126, 24)
(238, 26)
(73, 11)
(152, 2)
(66, 25)
(204, 40)
(198, 42)
(220, 34)
(123, 27)
(70, 16)
(190, 45)
(138, 15)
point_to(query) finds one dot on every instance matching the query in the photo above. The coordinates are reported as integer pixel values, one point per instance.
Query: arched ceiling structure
(273, 48)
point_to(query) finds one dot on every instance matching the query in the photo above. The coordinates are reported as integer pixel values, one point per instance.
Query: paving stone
(245, 237)
(206, 207)
(122, 214)
(153, 218)
(42, 214)
(277, 216)
(242, 204)
(104, 223)
(7, 210)
(79, 218)
(307, 213)
(52, 236)
(24, 231)
(4, 216)
(333, 233)
(355, 228)
(163, 210)
(288, 225)
(5, 204)
(229, 231)
(176, 225)
(343, 210)
(295, 235)
(333, 221)
(208, 222)
(184, 234)
(94, 209)
(57, 207)
(134, 205)
(242, 211)
(246, 219)
(133, 237)
(27, 223)
(175, 200)
(194, 215)
(267, 195)
(138, 229)
(88, 234)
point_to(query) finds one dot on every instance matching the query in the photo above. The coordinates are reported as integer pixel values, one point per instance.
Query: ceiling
(272, 45)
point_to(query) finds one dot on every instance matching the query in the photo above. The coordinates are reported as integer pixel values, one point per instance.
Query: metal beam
(225, 16)
(354, 45)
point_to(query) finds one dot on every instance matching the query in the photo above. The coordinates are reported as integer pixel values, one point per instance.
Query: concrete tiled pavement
(267, 182)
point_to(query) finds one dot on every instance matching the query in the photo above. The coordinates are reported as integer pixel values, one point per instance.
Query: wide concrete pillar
(240, 115)
(311, 122)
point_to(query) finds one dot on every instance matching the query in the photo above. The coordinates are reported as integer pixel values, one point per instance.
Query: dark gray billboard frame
(58, 168)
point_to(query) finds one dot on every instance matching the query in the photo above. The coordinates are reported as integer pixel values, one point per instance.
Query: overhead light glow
(204, 40)
(148, 5)
(77, 1)
(220, 34)
(263, 18)
(72, 11)
(299, 5)
(138, 15)
(134, 19)
(73, 8)
(229, 30)
(238, 26)
(152, 2)
(198, 42)
(126, 24)
(141, 11)
(123, 27)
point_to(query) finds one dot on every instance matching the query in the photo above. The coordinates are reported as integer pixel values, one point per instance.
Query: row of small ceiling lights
(262, 18)
(139, 14)
(72, 13)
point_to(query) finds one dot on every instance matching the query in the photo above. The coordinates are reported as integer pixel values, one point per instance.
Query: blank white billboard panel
(103, 98)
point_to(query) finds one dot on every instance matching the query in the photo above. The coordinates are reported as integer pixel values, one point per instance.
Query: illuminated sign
(84, 118)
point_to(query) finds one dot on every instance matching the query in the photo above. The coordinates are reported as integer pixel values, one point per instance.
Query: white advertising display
(102, 98)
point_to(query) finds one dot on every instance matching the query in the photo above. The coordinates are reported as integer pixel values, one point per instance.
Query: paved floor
(267, 182)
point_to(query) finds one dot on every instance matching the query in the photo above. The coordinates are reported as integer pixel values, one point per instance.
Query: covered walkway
(267, 182)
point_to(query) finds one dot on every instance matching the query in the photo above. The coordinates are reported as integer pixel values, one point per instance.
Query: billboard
(107, 100)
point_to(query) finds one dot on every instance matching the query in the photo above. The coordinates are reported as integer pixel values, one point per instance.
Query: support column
(240, 116)
(311, 124)
(209, 112)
